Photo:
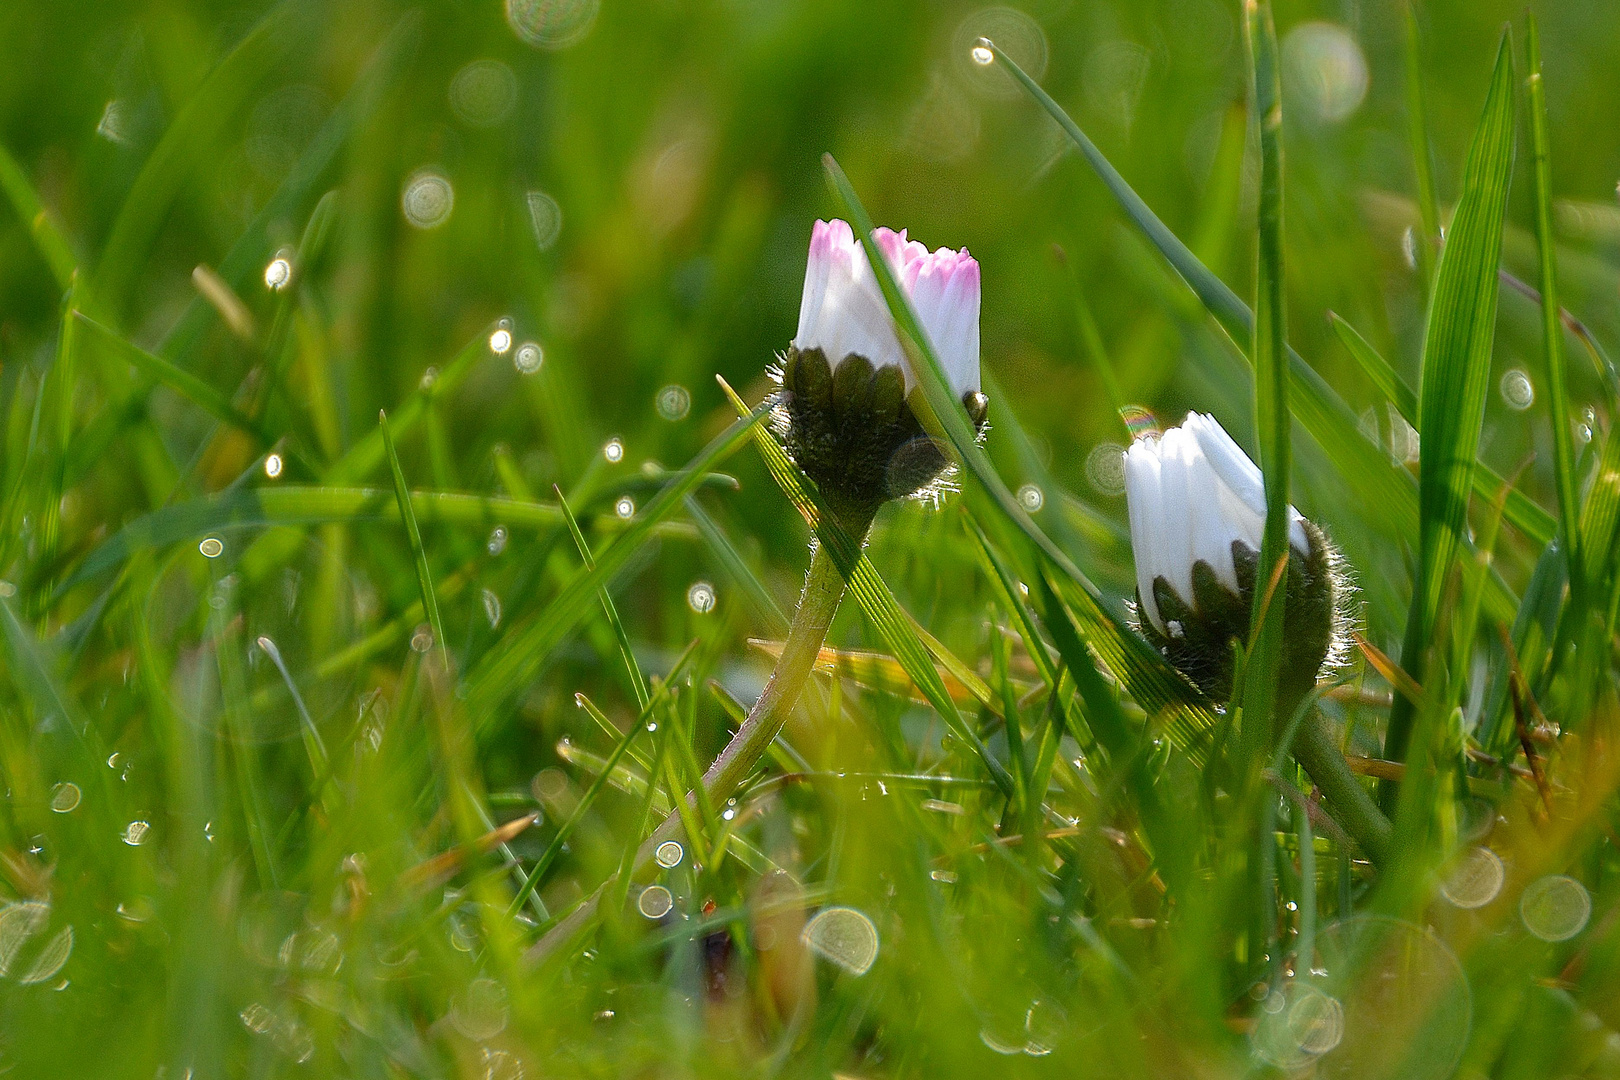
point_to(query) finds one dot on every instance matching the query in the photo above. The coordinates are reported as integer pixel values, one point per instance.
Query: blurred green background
(632, 186)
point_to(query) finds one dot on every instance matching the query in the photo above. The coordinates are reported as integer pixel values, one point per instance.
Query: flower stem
(823, 589)
(1316, 751)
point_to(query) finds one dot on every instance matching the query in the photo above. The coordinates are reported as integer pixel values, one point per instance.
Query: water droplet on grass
(981, 53)
(674, 402)
(1475, 880)
(272, 465)
(278, 273)
(655, 902)
(545, 218)
(700, 597)
(669, 854)
(135, 833)
(551, 24)
(65, 797)
(1517, 390)
(422, 638)
(480, 1012)
(483, 92)
(625, 507)
(613, 451)
(1105, 468)
(492, 608)
(528, 358)
(501, 340)
(212, 547)
(428, 199)
(1031, 498)
(497, 540)
(844, 936)
(502, 1065)
(1555, 908)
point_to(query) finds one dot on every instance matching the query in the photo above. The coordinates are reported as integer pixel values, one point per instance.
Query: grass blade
(1270, 358)
(1552, 330)
(1456, 371)
(424, 576)
(1422, 154)
(53, 246)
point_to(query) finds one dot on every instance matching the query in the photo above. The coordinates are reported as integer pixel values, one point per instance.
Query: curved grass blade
(424, 576)
(182, 382)
(293, 505)
(1457, 371)
(53, 246)
(1422, 153)
(633, 669)
(180, 151)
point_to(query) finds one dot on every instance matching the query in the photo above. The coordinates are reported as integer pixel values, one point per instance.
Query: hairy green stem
(1353, 808)
(823, 589)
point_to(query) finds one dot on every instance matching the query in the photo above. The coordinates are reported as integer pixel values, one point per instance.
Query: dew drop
(492, 608)
(551, 24)
(483, 92)
(480, 1012)
(1517, 390)
(429, 377)
(428, 199)
(625, 507)
(655, 902)
(700, 597)
(65, 797)
(51, 959)
(1475, 880)
(982, 54)
(674, 402)
(944, 877)
(272, 465)
(278, 273)
(669, 854)
(500, 342)
(135, 833)
(422, 638)
(613, 451)
(844, 936)
(497, 540)
(1555, 908)
(1105, 468)
(1031, 498)
(528, 358)
(545, 218)
(212, 547)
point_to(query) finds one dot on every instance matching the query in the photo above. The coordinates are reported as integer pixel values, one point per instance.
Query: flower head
(1198, 513)
(845, 377)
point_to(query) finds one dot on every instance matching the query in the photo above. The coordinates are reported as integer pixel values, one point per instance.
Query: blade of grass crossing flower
(1456, 372)
(1552, 329)
(53, 246)
(424, 576)
(1324, 415)
(1422, 154)
(1270, 358)
(519, 654)
(879, 604)
(1149, 678)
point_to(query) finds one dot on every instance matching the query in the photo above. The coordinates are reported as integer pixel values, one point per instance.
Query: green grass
(329, 744)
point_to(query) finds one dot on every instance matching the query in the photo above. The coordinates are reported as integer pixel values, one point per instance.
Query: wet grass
(382, 562)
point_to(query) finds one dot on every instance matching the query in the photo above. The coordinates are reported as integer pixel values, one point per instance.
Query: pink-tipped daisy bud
(845, 379)
(1198, 513)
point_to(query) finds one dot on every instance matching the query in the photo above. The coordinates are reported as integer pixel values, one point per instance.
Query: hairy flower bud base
(852, 432)
(1198, 637)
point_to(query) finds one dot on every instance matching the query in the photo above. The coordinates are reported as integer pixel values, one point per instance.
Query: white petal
(1242, 478)
(1144, 502)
